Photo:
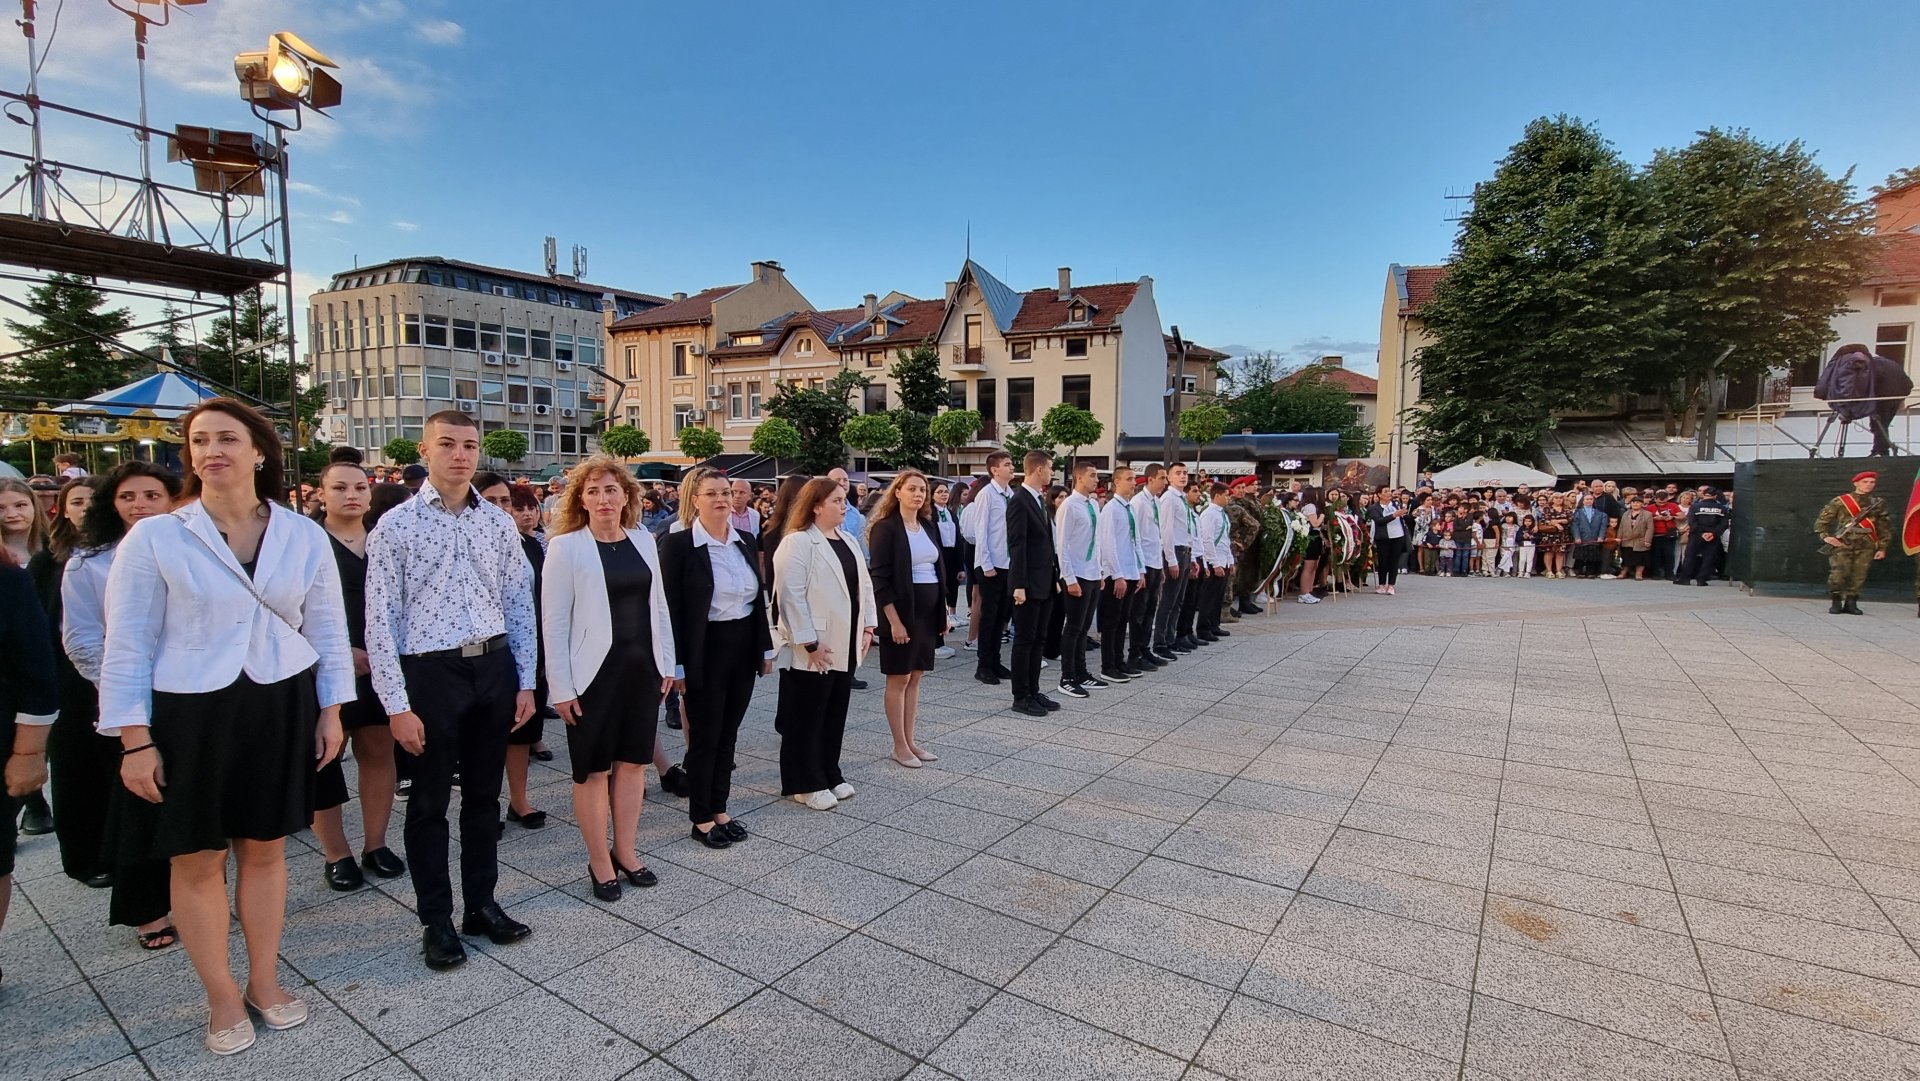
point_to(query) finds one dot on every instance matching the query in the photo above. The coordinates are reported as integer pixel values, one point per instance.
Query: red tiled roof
(697, 308)
(1346, 379)
(1195, 351)
(1898, 262)
(1042, 309)
(922, 320)
(1420, 284)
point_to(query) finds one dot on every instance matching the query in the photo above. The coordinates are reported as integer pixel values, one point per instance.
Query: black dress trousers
(466, 705)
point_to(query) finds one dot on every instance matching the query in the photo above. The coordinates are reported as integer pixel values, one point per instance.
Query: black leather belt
(472, 649)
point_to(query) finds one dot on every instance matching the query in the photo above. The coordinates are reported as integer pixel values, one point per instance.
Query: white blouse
(83, 606)
(926, 557)
(734, 583)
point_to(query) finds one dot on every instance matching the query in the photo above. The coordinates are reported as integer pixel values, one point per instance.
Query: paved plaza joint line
(1482, 830)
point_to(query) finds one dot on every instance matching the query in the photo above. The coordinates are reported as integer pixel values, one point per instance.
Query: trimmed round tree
(505, 444)
(401, 451)
(625, 441)
(1204, 423)
(700, 443)
(872, 434)
(776, 438)
(952, 429)
(1071, 426)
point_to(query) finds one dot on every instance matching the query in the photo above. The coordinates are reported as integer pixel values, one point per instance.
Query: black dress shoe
(1003, 672)
(344, 875)
(859, 684)
(532, 820)
(713, 838)
(38, 818)
(987, 677)
(99, 880)
(1029, 707)
(1206, 638)
(492, 921)
(735, 831)
(604, 891)
(1185, 644)
(673, 719)
(382, 862)
(1223, 633)
(442, 947)
(540, 755)
(642, 877)
(674, 781)
(1044, 702)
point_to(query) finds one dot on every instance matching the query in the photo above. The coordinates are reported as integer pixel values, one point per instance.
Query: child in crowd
(1489, 543)
(1509, 542)
(1462, 540)
(1527, 546)
(1436, 547)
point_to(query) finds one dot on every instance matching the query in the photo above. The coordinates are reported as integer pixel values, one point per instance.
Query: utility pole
(1176, 378)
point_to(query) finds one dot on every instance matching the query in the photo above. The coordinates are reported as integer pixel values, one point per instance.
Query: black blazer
(1035, 565)
(891, 563)
(27, 681)
(689, 588)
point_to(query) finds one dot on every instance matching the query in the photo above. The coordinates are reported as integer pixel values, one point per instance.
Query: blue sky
(1264, 162)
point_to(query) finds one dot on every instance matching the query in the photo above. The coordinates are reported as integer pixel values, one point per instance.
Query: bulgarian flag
(1910, 525)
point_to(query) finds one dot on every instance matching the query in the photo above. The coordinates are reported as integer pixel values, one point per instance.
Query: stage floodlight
(287, 74)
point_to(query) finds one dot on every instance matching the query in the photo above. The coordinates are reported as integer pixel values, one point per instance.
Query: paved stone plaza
(1544, 830)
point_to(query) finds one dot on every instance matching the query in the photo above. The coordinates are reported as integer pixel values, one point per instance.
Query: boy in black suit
(1034, 574)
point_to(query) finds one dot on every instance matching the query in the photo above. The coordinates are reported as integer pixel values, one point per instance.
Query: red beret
(1865, 474)
(1243, 482)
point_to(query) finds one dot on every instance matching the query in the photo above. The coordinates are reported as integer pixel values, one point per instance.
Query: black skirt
(619, 711)
(923, 633)
(238, 764)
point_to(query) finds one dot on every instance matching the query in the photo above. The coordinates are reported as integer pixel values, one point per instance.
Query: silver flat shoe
(230, 1041)
(289, 1014)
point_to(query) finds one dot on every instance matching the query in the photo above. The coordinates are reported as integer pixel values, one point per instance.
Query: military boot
(1852, 607)
(1834, 609)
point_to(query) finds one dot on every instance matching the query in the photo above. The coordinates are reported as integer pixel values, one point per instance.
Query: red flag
(1910, 525)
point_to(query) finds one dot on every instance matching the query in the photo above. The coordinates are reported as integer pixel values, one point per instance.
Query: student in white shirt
(226, 666)
(992, 559)
(1141, 650)
(1076, 529)
(1120, 566)
(1176, 551)
(1215, 538)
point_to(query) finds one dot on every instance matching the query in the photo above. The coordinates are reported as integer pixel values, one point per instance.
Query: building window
(972, 339)
(543, 442)
(803, 347)
(410, 384)
(1896, 298)
(989, 397)
(490, 337)
(1022, 350)
(876, 358)
(1076, 348)
(542, 393)
(684, 417)
(493, 390)
(408, 327)
(753, 398)
(464, 335)
(466, 388)
(1076, 312)
(386, 385)
(875, 400)
(1020, 401)
(563, 347)
(1190, 383)
(880, 327)
(1892, 340)
(436, 331)
(736, 402)
(516, 341)
(1077, 390)
(542, 341)
(439, 383)
(956, 394)
(679, 360)
(633, 359)
(379, 330)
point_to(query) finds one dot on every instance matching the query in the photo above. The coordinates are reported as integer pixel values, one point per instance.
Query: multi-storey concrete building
(398, 341)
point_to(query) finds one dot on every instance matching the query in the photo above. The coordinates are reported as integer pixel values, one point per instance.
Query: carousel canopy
(1492, 473)
(168, 395)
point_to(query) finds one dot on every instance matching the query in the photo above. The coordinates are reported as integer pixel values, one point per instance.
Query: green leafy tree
(819, 414)
(952, 429)
(68, 360)
(700, 443)
(1263, 396)
(922, 390)
(1025, 436)
(401, 451)
(777, 438)
(314, 458)
(1069, 425)
(505, 444)
(1758, 248)
(1548, 299)
(1204, 423)
(873, 434)
(248, 352)
(1899, 178)
(625, 441)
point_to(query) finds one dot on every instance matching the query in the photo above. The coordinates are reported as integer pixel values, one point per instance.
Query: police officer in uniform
(1706, 520)
(1855, 528)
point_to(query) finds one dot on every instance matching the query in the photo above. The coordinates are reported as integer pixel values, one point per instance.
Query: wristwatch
(811, 647)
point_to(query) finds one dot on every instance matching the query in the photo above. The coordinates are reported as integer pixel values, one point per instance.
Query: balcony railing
(968, 358)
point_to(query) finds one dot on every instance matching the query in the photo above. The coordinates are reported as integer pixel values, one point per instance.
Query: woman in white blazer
(825, 624)
(609, 653)
(226, 665)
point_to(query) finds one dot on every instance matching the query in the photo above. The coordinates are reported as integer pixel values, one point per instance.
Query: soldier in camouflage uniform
(1856, 529)
(1243, 518)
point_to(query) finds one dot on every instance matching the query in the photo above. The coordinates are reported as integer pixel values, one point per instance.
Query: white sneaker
(1045, 663)
(1608, 577)
(821, 801)
(972, 645)
(943, 652)
(843, 791)
(1308, 598)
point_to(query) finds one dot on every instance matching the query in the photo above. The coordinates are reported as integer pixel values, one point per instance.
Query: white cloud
(440, 32)
(406, 226)
(340, 217)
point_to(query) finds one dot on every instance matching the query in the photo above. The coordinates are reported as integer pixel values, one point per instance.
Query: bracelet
(29, 754)
(135, 750)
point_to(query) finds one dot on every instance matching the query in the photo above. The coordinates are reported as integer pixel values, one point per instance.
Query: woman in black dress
(907, 577)
(945, 520)
(608, 642)
(721, 639)
(142, 891)
(344, 494)
(83, 766)
(509, 497)
(29, 696)
(226, 667)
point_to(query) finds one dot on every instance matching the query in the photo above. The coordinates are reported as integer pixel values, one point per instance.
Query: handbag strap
(245, 582)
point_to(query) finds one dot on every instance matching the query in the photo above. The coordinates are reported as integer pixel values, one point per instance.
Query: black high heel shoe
(713, 838)
(532, 820)
(642, 877)
(605, 891)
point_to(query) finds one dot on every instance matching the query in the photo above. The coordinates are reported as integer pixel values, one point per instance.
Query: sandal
(150, 940)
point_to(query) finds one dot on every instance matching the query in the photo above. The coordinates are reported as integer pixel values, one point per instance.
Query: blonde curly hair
(569, 515)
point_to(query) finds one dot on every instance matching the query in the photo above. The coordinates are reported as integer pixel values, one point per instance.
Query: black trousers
(1662, 554)
(466, 705)
(1393, 554)
(1029, 628)
(1073, 630)
(1196, 593)
(717, 696)
(812, 722)
(1140, 617)
(1174, 586)
(1701, 561)
(1116, 619)
(995, 602)
(84, 767)
(1212, 594)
